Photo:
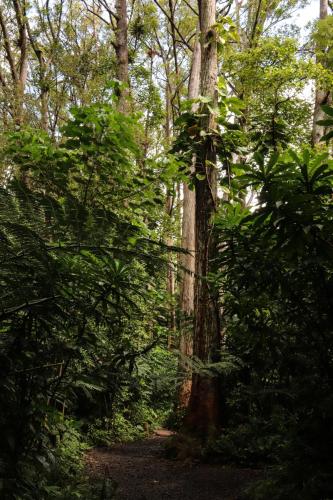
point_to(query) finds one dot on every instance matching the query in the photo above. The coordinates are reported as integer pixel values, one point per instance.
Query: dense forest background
(166, 238)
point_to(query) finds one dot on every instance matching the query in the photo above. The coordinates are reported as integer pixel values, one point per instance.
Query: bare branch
(94, 13)
(173, 25)
(192, 9)
(107, 7)
(49, 20)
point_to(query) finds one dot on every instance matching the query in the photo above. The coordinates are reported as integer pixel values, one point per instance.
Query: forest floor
(140, 471)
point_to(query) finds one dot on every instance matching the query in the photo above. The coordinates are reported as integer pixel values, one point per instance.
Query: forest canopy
(166, 239)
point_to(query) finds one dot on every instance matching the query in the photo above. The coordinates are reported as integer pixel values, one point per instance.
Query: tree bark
(321, 96)
(187, 261)
(20, 11)
(121, 47)
(204, 408)
(170, 276)
(43, 84)
(169, 205)
(18, 68)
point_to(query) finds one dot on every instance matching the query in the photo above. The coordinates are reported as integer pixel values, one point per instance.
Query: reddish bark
(187, 260)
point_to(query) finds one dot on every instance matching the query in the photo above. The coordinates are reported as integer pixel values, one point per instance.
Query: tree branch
(173, 25)
(190, 7)
(94, 13)
(8, 49)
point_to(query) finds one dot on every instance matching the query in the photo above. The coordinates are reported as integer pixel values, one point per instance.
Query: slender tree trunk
(44, 90)
(23, 62)
(44, 100)
(122, 54)
(169, 205)
(187, 261)
(170, 276)
(176, 97)
(18, 65)
(43, 84)
(171, 112)
(321, 96)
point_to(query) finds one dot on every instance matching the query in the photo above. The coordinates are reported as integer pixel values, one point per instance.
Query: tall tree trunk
(171, 112)
(176, 96)
(169, 205)
(20, 12)
(18, 65)
(321, 96)
(43, 84)
(204, 407)
(121, 47)
(187, 261)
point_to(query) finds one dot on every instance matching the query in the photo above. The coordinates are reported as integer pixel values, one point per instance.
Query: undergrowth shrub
(276, 292)
(80, 271)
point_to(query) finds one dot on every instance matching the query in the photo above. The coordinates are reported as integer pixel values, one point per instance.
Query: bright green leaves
(226, 32)
(99, 129)
(270, 77)
(323, 40)
(94, 176)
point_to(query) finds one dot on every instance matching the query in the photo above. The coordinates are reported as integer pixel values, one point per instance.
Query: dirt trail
(142, 473)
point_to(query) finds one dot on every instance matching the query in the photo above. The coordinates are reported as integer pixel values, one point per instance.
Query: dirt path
(141, 473)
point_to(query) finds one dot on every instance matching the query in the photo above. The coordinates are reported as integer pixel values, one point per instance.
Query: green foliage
(79, 274)
(269, 76)
(322, 37)
(277, 298)
(327, 123)
(66, 478)
(84, 315)
(105, 432)
(228, 137)
(142, 404)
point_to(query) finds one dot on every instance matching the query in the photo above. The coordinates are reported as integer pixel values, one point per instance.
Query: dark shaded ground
(142, 473)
